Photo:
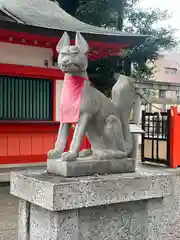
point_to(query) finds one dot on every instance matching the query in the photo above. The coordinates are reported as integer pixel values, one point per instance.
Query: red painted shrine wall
(20, 141)
(23, 142)
(27, 142)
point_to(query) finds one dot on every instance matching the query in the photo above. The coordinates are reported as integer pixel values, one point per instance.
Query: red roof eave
(97, 49)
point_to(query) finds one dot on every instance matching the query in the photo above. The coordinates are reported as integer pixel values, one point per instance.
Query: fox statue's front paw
(53, 154)
(85, 153)
(69, 156)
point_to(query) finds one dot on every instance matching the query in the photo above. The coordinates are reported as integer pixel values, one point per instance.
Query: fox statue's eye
(74, 49)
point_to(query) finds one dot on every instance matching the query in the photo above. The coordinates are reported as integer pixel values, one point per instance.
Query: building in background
(167, 69)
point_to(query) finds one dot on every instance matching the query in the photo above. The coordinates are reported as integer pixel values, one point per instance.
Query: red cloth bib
(71, 98)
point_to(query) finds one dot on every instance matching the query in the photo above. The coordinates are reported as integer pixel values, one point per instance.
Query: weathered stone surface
(113, 222)
(124, 221)
(8, 214)
(58, 193)
(23, 221)
(153, 219)
(47, 225)
(88, 167)
(163, 217)
(138, 220)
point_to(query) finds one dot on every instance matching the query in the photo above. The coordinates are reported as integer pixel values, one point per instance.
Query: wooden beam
(167, 86)
(165, 101)
(29, 71)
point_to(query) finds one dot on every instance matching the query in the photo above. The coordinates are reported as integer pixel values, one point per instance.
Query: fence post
(169, 134)
(142, 137)
(174, 138)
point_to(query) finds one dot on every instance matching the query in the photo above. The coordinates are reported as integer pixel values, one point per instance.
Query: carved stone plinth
(88, 167)
(128, 206)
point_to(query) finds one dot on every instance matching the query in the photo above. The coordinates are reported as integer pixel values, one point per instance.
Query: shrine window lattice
(26, 99)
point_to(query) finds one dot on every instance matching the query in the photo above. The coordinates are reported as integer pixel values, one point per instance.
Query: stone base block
(128, 206)
(89, 167)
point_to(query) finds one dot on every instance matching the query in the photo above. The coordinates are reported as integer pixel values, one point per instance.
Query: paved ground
(9, 205)
(8, 214)
(5, 172)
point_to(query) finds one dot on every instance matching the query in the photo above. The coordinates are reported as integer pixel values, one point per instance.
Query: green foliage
(161, 38)
(97, 12)
(101, 74)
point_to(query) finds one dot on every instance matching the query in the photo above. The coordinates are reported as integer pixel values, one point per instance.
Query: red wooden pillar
(174, 137)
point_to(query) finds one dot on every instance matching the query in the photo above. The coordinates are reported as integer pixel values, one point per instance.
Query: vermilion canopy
(42, 22)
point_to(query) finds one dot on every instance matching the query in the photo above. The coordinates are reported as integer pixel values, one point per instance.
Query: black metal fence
(156, 139)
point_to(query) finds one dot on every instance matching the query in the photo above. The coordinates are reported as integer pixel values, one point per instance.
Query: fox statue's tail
(123, 97)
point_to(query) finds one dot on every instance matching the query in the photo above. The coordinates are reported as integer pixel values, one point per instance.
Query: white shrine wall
(25, 55)
(30, 56)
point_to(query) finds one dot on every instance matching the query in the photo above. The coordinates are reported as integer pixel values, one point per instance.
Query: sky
(172, 5)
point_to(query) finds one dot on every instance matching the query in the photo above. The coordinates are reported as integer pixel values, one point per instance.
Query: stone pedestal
(113, 207)
(89, 166)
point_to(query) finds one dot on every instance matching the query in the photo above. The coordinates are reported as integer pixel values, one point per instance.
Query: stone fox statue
(105, 122)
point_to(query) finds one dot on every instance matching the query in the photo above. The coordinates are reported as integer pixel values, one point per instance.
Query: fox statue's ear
(64, 41)
(81, 42)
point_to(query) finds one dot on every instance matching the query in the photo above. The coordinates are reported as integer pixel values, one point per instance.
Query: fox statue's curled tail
(123, 97)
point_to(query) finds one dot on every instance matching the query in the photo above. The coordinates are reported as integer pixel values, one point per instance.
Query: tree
(121, 14)
(107, 13)
(70, 6)
(161, 39)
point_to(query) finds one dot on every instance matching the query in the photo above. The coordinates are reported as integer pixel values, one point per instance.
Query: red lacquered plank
(37, 144)
(3, 145)
(13, 145)
(25, 144)
(48, 142)
(23, 159)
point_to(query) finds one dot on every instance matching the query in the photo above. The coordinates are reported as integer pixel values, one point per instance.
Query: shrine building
(30, 82)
